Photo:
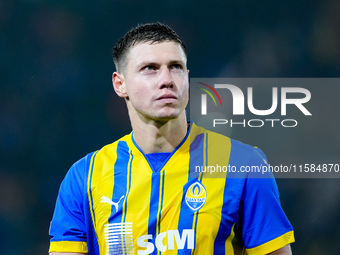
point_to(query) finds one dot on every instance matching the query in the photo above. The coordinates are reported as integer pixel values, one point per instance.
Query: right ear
(119, 85)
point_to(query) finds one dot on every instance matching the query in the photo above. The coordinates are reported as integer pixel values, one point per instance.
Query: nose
(166, 80)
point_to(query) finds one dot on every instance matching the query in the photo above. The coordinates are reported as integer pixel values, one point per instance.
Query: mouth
(167, 98)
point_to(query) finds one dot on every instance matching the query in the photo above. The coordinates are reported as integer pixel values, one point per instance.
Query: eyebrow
(147, 63)
(153, 63)
(177, 62)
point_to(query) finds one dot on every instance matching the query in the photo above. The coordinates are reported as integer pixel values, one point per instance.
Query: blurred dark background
(57, 103)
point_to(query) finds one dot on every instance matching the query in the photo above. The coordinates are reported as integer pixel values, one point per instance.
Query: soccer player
(142, 195)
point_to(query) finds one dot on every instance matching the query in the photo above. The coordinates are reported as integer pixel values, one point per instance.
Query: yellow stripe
(198, 240)
(210, 214)
(228, 245)
(273, 245)
(234, 244)
(205, 148)
(68, 246)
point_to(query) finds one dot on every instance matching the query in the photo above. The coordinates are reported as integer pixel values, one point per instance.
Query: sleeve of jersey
(265, 227)
(68, 230)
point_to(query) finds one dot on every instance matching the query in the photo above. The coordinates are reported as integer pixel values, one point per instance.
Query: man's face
(156, 80)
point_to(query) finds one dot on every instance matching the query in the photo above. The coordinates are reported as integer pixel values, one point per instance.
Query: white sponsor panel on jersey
(175, 240)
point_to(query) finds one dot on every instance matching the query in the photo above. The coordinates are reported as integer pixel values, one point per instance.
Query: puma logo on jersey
(110, 202)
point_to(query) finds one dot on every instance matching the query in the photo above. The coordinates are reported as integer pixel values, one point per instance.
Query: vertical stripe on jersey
(156, 199)
(173, 182)
(89, 190)
(128, 183)
(160, 207)
(200, 176)
(117, 228)
(217, 155)
(187, 217)
(121, 170)
(226, 241)
(196, 156)
(101, 185)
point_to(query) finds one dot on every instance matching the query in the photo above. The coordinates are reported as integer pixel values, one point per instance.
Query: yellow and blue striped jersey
(113, 202)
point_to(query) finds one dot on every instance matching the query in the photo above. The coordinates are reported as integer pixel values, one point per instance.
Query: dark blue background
(57, 103)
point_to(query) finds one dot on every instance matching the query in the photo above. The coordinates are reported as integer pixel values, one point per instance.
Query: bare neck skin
(153, 137)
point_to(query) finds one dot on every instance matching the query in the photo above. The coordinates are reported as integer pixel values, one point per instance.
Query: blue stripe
(186, 216)
(231, 198)
(196, 227)
(196, 156)
(160, 212)
(206, 155)
(154, 202)
(120, 180)
(90, 185)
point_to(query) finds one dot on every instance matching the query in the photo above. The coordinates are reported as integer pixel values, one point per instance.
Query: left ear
(119, 85)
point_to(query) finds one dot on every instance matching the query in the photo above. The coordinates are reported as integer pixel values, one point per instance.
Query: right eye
(149, 68)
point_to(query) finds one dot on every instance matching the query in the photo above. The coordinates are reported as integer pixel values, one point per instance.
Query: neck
(153, 137)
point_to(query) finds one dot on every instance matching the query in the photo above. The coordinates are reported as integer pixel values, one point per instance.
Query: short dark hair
(150, 32)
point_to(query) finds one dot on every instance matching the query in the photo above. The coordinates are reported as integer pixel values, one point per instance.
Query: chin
(167, 117)
(166, 114)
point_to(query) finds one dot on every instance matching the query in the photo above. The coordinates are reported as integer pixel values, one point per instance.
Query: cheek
(133, 88)
(138, 95)
(186, 97)
(185, 90)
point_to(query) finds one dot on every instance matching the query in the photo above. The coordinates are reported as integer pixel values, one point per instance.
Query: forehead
(166, 51)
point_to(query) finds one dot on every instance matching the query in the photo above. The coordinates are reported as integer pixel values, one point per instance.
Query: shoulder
(239, 149)
(247, 151)
(243, 159)
(81, 168)
(85, 162)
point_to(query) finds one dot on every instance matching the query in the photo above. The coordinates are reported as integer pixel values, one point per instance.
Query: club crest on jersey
(196, 196)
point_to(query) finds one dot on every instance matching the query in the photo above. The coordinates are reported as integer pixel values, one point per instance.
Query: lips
(167, 99)
(167, 96)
